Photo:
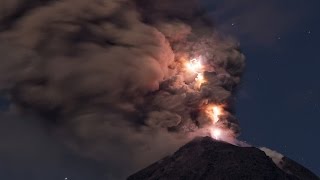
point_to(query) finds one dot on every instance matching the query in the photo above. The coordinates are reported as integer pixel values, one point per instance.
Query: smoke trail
(276, 157)
(108, 76)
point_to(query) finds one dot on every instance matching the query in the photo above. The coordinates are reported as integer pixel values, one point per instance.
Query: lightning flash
(213, 111)
(195, 65)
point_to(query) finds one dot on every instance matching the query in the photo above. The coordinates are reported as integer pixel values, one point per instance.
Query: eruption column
(214, 111)
(122, 74)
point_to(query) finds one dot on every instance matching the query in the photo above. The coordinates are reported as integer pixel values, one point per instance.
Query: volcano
(205, 158)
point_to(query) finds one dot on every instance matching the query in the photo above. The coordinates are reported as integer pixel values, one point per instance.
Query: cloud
(107, 76)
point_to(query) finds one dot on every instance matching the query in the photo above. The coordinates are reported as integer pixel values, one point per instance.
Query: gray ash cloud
(107, 75)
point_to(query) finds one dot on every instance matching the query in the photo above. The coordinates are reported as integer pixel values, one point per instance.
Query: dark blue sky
(278, 104)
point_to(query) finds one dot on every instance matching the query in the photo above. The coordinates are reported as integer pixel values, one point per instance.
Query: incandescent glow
(194, 66)
(216, 113)
(200, 80)
(216, 133)
(213, 111)
(200, 77)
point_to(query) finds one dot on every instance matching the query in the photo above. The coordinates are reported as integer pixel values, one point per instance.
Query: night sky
(278, 103)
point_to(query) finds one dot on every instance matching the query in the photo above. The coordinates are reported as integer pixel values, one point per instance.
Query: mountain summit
(208, 159)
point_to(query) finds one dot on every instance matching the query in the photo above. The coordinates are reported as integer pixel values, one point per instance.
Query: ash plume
(108, 78)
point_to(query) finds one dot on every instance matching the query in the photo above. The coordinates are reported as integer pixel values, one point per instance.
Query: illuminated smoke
(217, 111)
(214, 111)
(117, 79)
(199, 80)
(195, 66)
(216, 133)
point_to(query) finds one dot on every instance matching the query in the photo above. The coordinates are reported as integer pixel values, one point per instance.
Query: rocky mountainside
(208, 159)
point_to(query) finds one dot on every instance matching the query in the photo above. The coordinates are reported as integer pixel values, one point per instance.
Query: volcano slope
(205, 158)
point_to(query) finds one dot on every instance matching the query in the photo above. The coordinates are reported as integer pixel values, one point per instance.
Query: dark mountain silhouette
(208, 159)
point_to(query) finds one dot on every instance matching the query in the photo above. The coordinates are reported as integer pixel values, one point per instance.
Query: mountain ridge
(205, 158)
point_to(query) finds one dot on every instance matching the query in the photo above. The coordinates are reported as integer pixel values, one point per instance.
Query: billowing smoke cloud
(276, 157)
(108, 76)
